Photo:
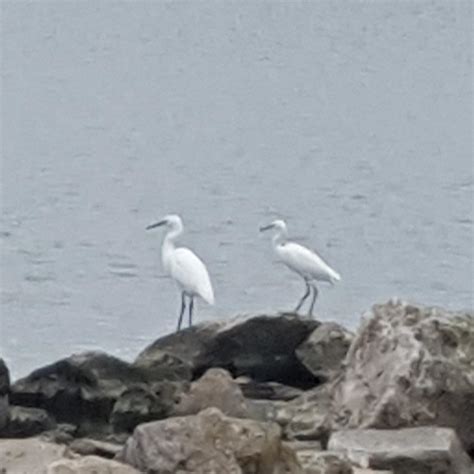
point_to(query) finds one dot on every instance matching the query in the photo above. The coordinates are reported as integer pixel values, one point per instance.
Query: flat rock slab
(312, 460)
(357, 470)
(92, 447)
(423, 450)
(90, 465)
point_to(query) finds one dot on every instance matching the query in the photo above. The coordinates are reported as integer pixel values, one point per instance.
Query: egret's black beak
(157, 224)
(266, 227)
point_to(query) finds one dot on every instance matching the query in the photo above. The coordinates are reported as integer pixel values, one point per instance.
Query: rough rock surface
(142, 403)
(409, 366)
(90, 465)
(261, 347)
(306, 417)
(164, 366)
(63, 433)
(4, 390)
(313, 460)
(81, 389)
(28, 456)
(204, 443)
(323, 352)
(324, 462)
(422, 450)
(216, 388)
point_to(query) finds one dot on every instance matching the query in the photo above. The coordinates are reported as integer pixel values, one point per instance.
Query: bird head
(171, 221)
(278, 225)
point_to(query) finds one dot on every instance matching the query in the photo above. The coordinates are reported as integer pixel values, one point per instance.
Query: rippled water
(351, 120)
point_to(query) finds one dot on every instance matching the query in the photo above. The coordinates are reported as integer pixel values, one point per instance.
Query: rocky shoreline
(256, 394)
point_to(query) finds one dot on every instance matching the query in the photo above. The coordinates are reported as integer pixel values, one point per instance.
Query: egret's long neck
(279, 238)
(168, 242)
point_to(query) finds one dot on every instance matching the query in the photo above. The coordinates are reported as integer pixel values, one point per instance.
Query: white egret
(184, 266)
(306, 263)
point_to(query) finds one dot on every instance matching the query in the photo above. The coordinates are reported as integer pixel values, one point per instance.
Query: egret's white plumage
(184, 266)
(306, 263)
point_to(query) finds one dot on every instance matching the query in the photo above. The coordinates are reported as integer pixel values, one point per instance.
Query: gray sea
(351, 120)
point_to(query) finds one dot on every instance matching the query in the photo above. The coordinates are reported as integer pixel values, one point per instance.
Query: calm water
(351, 120)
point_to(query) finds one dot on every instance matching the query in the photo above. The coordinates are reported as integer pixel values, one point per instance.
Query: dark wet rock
(261, 347)
(88, 447)
(409, 366)
(216, 388)
(323, 352)
(185, 346)
(164, 366)
(207, 442)
(4, 391)
(422, 450)
(25, 422)
(81, 389)
(4, 378)
(142, 403)
(267, 390)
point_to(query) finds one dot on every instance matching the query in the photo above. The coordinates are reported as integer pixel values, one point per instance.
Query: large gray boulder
(205, 443)
(4, 391)
(422, 450)
(216, 388)
(261, 347)
(409, 366)
(82, 389)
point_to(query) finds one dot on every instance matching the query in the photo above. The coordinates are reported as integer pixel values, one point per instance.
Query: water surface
(351, 120)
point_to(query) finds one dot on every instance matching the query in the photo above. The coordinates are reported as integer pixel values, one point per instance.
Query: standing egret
(306, 263)
(184, 266)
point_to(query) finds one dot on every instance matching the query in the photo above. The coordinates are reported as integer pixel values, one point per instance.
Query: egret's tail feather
(335, 277)
(208, 296)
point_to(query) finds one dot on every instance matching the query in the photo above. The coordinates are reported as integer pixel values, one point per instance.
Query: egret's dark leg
(183, 307)
(302, 300)
(191, 306)
(315, 295)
